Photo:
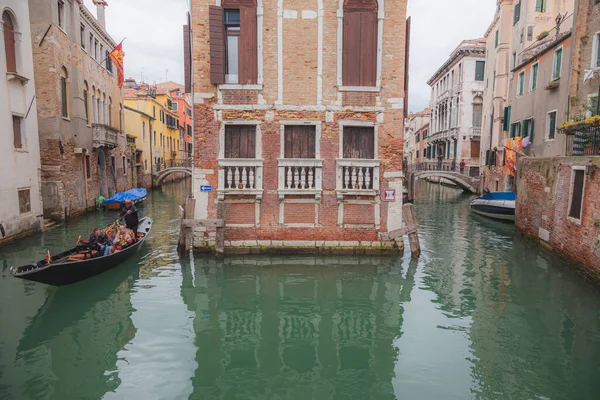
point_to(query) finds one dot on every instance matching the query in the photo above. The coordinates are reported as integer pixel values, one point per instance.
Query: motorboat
(79, 263)
(497, 205)
(117, 201)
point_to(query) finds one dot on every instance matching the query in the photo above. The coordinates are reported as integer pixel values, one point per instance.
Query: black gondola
(61, 271)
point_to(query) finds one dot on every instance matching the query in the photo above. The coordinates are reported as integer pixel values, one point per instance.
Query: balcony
(240, 176)
(104, 136)
(584, 141)
(357, 177)
(131, 141)
(300, 176)
(476, 131)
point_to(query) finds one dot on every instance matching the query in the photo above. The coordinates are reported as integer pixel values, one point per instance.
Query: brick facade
(544, 195)
(299, 84)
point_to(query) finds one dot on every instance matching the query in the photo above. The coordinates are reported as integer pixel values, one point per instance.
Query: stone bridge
(465, 182)
(163, 174)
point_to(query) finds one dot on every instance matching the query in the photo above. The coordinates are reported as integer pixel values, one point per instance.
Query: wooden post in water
(411, 228)
(411, 186)
(220, 239)
(186, 233)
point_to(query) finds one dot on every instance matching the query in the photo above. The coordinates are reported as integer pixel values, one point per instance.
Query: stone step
(48, 224)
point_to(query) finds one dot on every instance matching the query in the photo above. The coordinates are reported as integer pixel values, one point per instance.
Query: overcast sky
(154, 33)
(438, 26)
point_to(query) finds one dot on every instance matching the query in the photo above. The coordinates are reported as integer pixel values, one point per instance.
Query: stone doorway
(102, 183)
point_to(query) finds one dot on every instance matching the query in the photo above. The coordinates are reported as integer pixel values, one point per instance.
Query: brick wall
(300, 102)
(359, 214)
(544, 190)
(240, 214)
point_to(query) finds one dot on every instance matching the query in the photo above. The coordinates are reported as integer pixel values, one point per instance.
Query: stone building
(21, 210)
(84, 151)
(139, 124)
(457, 89)
(511, 39)
(416, 127)
(182, 107)
(299, 111)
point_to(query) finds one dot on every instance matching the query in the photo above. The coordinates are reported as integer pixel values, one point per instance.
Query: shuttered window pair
(359, 55)
(233, 42)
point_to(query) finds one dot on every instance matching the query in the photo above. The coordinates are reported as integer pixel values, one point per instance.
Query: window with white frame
(521, 83)
(527, 128)
(240, 141)
(359, 142)
(577, 193)
(557, 65)
(61, 14)
(596, 51)
(24, 201)
(299, 141)
(551, 125)
(533, 76)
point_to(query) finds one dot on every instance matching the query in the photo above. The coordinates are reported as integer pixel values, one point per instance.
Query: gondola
(65, 268)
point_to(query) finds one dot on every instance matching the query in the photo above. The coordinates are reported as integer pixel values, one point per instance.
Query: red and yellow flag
(510, 161)
(116, 56)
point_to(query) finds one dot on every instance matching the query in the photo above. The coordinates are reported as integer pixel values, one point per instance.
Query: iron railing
(583, 142)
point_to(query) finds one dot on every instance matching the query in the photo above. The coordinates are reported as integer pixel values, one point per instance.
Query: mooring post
(220, 239)
(190, 206)
(411, 228)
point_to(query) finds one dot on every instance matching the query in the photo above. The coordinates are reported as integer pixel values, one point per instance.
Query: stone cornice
(89, 18)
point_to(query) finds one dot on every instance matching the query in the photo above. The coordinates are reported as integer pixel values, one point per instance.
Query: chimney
(100, 11)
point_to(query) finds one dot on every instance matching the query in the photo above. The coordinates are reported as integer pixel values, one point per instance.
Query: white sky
(438, 26)
(154, 33)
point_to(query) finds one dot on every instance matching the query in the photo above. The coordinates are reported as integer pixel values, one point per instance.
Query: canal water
(483, 314)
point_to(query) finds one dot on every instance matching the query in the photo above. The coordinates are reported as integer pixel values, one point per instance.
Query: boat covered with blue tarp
(135, 195)
(498, 205)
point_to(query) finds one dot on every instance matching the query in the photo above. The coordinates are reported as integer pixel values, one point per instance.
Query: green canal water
(483, 314)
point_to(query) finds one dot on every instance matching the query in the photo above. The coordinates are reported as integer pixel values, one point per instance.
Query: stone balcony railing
(104, 136)
(357, 177)
(476, 131)
(300, 176)
(240, 176)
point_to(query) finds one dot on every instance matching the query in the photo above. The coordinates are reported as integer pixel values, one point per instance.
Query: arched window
(120, 117)
(477, 111)
(359, 53)
(86, 102)
(9, 42)
(93, 106)
(97, 105)
(110, 111)
(64, 92)
(104, 109)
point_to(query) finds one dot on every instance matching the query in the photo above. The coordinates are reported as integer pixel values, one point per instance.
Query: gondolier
(130, 213)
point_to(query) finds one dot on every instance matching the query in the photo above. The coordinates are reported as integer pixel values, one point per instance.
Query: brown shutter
(368, 49)
(351, 50)
(475, 149)
(360, 5)
(9, 43)
(17, 140)
(239, 3)
(240, 141)
(217, 45)
(248, 60)
(300, 141)
(359, 142)
(187, 56)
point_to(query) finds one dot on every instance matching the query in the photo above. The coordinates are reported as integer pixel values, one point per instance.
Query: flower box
(542, 35)
(553, 84)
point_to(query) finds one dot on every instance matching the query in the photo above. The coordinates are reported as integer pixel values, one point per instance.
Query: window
(240, 141)
(9, 42)
(530, 33)
(521, 84)
(101, 52)
(96, 56)
(113, 164)
(517, 15)
(64, 92)
(528, 128)
(479, 70)
(494, 82)
(124, 165)
(515, 130)
(233, 42)
(533, 76)
(460, 73)
(551, 125)
(88, 168)
(188, 112)
(86, 102)
(175, 107)
(556, 71)
(109, 64)
(417, 138)
(24, 201)
(497, 38)
(82, 36)
(540, 5)
(109, 111)
(61, 14)
(358, 142)
(359, 53)
(91, 44)
(17, 132)
(477, 111)
(596, 51)
(146, 165)
(143, 131)
(577, 190)
(154, 139)
(154, 111)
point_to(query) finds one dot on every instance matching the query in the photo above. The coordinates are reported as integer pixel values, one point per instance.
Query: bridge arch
(165, 173)
(465, 182)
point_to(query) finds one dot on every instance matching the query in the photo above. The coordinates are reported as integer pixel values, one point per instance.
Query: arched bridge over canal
(465, 182)
(163, 171)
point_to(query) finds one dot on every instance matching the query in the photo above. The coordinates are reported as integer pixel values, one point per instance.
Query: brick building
(84, 152)
(299, 112)
(21, 209)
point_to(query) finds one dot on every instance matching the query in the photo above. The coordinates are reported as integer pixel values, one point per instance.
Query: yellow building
(151, 111)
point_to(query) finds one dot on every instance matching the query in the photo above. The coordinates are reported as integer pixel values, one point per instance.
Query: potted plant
(542, 35)
(553, 84)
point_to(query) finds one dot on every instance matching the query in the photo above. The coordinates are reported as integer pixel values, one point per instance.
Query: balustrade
(240, 177)
(357, 176)
(300, 176)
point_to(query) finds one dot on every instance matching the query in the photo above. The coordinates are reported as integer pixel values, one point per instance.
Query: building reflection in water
(295, 327)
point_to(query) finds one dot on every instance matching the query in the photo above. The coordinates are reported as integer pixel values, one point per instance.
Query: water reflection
(295, 327)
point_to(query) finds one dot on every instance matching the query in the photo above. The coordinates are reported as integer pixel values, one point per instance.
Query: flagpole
(121, 42)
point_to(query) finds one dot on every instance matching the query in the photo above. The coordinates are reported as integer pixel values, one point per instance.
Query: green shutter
(525, 128)
(479, 70)
(506, 119)
(517, 15)
(557, 64)
(531, 129)
(497, 38)
(534, 76)
(540, 5)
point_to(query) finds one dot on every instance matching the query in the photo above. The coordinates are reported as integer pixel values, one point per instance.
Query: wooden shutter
(248, 59)
(9, 43)
(577, 196)
(475, 149)
(359, 55)
(17, 138)
(187, 56)
(360, 5)
(506, 126)
(299, 142)
(359, 142)
(368, 49)
(351, 49)
(217, 45)
(240, 141)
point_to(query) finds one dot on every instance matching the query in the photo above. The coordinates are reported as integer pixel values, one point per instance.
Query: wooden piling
(411, 228)
(220, 239)
(186, 232)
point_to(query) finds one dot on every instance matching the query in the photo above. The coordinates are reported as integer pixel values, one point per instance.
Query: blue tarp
(500, 196)
(133, 195)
